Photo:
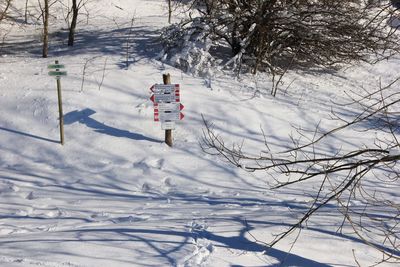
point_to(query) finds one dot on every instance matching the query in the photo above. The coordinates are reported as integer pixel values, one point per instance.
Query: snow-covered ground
(115, 194)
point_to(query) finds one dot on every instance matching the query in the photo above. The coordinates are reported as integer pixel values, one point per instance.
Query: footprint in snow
(168, 182)
(129, 219)
(25, 212)
(7, 187)
(6, 231)
(200, 254)
(147, 164)
(156, 163)
(53, 213)
(146, 188)
(100, 216)
(30, 196)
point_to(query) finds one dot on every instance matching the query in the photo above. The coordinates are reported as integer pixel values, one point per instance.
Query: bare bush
(360, 181)
(274, 35)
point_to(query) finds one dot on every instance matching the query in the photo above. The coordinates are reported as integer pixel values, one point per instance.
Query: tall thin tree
(169, 11)
(45, 17)
(72, 27)
(26, 10)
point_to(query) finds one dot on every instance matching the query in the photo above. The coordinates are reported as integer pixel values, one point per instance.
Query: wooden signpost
(167, 106)
(55, 71)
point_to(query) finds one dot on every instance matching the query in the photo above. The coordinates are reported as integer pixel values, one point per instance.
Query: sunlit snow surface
(115, 194)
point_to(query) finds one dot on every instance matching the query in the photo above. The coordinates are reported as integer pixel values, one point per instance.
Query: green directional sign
(57, 73)
(56, 66)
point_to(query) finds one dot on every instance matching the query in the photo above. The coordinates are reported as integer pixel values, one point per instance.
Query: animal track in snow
(27, 262)
(203, 247)
(199, 256)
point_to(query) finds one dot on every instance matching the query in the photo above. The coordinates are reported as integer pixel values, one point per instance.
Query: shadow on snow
(131, 45)
(83, 117)
(28, 135)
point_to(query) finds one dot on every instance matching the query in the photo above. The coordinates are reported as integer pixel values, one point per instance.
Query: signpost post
(167, 106)
(168, 132)
(55, 71)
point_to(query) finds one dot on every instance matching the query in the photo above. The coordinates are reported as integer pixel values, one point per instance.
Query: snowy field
(115, 194)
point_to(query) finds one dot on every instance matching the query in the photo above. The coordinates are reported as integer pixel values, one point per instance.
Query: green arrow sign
(56, 66)
(57, 73)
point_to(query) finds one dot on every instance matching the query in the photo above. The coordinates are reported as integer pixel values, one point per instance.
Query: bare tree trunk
(236, 45)
(169, 11)
(45, 14)
(75, 11)
(26, 11)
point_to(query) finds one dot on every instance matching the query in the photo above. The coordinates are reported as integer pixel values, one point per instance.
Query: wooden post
(168, 133)
(60, 110)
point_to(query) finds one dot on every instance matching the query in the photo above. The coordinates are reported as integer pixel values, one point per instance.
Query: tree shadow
(29, 135)
(157, 239)
(240, 242)
(158, 242)
(83, 117)
(134, 44)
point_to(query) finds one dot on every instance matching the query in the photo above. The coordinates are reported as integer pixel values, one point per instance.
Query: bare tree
(275, 35)
(76, 6)
(26, 11)
(72, 27)
(45, 14)
(361, 175)
(4, 7)
(169, 11)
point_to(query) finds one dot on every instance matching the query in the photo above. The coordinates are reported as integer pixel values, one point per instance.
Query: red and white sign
(165, 98)
(170, 116)
(167, 106)
(162, 107)
(164, 88)
(169, 112)
(165, 93)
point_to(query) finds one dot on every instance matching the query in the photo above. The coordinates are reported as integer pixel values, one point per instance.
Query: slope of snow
(115, 194)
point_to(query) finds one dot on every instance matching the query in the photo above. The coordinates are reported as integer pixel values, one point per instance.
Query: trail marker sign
(56, 66)
(58, 73)
(165, 93)
(170, 116)
(55, 70)
(164, 88)
(165, 98)
(165, 112)
(167, 105)
(163, 107)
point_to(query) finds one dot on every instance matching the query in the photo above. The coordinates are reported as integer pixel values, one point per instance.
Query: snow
(115, 194)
